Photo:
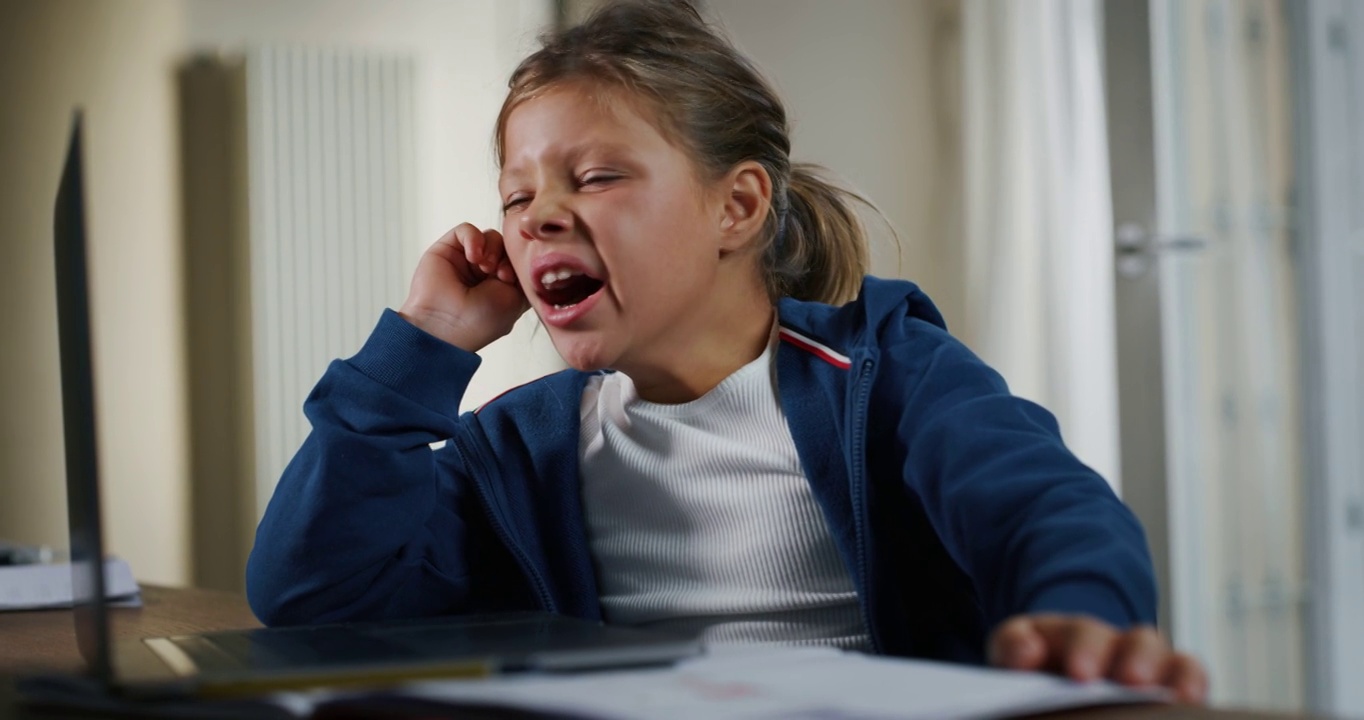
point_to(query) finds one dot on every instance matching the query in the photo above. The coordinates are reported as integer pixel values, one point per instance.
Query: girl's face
(615, 241)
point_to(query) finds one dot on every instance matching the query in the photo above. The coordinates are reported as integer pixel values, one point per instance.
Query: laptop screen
(78, 413)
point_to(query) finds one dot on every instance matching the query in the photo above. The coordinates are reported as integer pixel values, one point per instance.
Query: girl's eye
(514, 203)
(598, 179)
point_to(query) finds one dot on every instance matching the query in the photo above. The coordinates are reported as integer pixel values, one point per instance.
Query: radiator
(331, 202)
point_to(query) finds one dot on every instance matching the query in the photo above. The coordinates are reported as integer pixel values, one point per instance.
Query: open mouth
(562, 288)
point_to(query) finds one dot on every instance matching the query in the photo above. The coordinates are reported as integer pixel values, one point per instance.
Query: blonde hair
(716, 104)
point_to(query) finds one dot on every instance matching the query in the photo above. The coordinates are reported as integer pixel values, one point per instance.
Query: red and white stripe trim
(819, 349)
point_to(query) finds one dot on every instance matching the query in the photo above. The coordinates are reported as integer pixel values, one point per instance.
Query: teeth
(551, 276)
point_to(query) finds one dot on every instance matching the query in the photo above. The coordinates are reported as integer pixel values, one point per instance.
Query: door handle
(1135, 248)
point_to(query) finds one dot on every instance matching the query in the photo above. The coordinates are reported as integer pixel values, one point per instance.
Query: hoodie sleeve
(1035, 529)
(367, 521)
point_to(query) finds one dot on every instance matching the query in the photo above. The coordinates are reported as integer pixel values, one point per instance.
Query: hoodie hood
(880, 303)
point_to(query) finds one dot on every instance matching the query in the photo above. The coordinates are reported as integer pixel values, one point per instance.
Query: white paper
(811, 684)
(37, 587)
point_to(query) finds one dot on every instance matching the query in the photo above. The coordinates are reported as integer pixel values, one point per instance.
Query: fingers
(499, 263)
(473, 245)
(475, 254)
(1186, 677)
(505, 272)
(448, 245)
(1085, 649)
(1018, 645)
(449, 296)
(482, 248)
(1078, 647)
(1144, 658)
(1141, 657)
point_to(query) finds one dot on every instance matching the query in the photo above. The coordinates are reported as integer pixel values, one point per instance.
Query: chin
(580, 355)
(585, 365)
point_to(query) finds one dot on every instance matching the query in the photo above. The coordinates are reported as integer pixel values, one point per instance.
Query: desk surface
(46, 640)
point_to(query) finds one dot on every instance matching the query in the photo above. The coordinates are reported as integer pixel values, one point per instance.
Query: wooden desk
(46, 640)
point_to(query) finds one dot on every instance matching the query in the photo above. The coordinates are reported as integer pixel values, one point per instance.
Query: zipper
(538, 583)
(858, 489)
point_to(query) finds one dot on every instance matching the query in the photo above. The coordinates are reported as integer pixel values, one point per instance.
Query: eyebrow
(573, 155)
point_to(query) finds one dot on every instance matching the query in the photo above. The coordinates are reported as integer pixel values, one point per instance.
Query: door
(1203, 176)
(1328, 80)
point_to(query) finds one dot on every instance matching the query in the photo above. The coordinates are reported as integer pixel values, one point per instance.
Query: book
(43, 586)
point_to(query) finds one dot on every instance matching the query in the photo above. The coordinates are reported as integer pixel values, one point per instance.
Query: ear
(748, 195)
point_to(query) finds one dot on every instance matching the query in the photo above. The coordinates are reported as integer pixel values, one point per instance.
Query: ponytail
(819, 246)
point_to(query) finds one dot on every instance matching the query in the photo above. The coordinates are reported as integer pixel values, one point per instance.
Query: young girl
(755, 443)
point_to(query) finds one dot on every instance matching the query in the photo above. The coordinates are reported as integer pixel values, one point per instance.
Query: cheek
(515, 248)
(513, 245)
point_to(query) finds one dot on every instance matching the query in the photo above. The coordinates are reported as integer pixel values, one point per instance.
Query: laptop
(226, 664)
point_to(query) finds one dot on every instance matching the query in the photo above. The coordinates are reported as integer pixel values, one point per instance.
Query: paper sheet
(37, 587)
(812, 684)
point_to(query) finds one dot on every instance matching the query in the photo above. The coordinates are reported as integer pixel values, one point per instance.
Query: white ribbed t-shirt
(700, 518)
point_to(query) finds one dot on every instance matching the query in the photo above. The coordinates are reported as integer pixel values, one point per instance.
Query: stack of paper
(758, 683)
(37, 587)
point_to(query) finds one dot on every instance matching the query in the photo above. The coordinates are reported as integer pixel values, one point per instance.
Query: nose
(547, 218)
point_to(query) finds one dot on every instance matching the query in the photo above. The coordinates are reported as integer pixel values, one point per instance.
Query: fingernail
(1022, 656)
(1017, 655)
(1084, 667)
(1142, 672)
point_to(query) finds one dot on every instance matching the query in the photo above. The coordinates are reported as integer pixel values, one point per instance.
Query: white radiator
(331, 195)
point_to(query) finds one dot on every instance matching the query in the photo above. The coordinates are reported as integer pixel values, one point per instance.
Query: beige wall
(459, 87)
(115, 60)
(465, 50)
(861, 85)
(118, 58)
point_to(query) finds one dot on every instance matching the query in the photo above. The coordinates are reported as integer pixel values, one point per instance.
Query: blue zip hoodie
(953, 503)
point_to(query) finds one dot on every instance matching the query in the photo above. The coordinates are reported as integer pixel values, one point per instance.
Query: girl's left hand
(1083, 648)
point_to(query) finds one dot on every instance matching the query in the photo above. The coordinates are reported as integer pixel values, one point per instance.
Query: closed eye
(598, 179)
(515, 202)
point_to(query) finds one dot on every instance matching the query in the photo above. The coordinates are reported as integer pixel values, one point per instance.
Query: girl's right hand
(464, 290)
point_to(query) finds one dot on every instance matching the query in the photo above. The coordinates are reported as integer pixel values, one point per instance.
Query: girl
(755, 443)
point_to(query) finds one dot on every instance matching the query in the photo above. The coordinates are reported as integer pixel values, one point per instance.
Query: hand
(1085, 649)
(464, 290)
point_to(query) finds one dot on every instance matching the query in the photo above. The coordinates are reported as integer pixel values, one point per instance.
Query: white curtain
(1038, 216)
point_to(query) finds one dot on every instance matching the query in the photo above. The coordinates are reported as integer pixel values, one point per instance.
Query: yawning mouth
(562, 288)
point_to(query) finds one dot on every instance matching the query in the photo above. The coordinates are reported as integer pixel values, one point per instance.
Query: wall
(119, 58)
(864, 87)
(465, 50)
(115, 60)
(459, 86)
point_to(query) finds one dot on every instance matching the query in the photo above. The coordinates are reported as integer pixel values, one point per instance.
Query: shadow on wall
(217, 318)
